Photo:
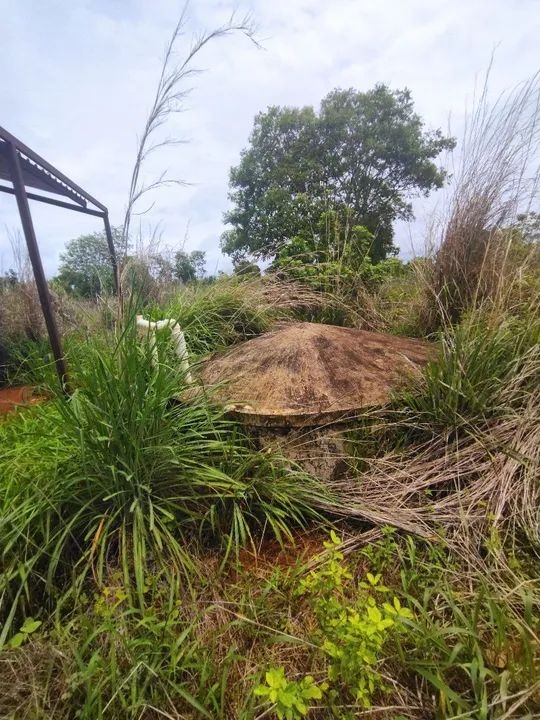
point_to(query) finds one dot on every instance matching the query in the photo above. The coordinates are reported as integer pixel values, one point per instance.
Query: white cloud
(78, 79)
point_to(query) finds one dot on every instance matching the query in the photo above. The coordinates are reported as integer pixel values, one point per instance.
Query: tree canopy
(189, 266)
(85, 267)
(364, 153)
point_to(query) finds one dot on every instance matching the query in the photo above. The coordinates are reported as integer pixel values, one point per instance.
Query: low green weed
(354, 623)
(125, 659)
(28, 627)
(291, 698)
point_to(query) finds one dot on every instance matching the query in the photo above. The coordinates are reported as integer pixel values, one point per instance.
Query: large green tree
(364, 152)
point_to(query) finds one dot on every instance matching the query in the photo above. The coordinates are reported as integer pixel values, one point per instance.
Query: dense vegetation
(155, 562)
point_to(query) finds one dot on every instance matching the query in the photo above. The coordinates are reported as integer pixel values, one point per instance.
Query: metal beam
(25, 150)
(112, 253)
(53, 201)
(36, 177)
(86, 211)
(37, 267)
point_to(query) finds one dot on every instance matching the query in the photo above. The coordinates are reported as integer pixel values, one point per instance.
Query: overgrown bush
(231, 309)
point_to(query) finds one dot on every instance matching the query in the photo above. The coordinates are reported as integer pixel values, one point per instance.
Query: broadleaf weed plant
(354, 622)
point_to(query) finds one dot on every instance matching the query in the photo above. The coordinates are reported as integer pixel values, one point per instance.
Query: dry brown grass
(34, 682)
(20, 313)
(21, 317)
(466, 488)
(347, 305)
(496, 179)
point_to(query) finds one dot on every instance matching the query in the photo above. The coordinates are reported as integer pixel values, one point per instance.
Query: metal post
(37, 267)
(112, 251)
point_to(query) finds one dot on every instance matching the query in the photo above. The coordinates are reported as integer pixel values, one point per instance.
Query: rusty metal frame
(21, 167)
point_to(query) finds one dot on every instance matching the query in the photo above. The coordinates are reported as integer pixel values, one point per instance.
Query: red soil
(306, 545)
(12, 398)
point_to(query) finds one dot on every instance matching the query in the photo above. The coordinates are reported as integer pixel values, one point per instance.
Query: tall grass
(231, 309)
(123, 475)
(477, 362)
(497, 177)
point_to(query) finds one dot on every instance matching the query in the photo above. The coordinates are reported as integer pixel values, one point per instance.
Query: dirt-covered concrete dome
(307, 373)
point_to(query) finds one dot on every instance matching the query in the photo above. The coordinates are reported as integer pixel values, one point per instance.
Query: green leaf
(312, 693)
(300, 706)
(445, 690)
(286, 697)
(334, 537)
(275, 677)
(30, 625)
(17, 640)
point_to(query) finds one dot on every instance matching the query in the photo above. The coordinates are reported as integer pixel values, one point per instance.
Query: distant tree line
(336, 247)
(85, 268)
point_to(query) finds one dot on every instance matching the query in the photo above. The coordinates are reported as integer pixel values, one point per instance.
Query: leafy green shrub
(352, 632)
(333, 276)
(335, 258)
(354, 625)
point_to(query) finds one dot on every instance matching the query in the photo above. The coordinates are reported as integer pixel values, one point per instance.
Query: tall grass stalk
(496, 179)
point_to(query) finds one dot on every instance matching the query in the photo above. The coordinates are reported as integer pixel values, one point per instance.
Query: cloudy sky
(78, 78)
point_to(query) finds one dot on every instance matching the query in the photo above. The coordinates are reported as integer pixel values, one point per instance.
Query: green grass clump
(219, 314)
(231, 309)
(123, 475)
(485, 365)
